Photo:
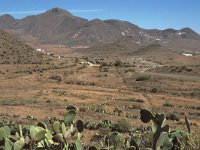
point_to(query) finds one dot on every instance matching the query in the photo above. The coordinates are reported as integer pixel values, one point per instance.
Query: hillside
(121, 46)
(13, 51)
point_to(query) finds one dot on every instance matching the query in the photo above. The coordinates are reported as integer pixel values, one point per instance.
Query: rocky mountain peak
(58, 10)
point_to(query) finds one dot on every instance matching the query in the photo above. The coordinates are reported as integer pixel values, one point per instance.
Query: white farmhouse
(185, 54)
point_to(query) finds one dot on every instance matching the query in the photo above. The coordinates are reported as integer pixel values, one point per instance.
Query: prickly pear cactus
(69, 117)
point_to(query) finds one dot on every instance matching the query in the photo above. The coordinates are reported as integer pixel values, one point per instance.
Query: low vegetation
(67, 134)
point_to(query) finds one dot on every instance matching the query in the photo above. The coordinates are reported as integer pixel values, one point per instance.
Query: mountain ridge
(59, 26)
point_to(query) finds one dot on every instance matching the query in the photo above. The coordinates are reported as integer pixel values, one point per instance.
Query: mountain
(52, 26)
(6, 21)
(58, 26)
(13, 51)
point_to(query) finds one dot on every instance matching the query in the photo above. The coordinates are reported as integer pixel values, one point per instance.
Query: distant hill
(165, 56)
(13, 51)
(58, 26)
(121, 45)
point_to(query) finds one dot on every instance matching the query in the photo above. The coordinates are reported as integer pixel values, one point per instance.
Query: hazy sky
(159, 14)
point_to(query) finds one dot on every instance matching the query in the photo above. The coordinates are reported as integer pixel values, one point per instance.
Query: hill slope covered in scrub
(14, 51)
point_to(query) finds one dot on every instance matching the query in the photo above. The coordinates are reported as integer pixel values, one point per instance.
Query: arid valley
(104, 79)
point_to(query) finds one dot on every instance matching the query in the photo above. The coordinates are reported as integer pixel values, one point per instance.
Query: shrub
(83, 109)
(167, 104)
(48, 101)
(142, 78)
(96, 138)
(70, 107)
(56, 78)
(100, 110)
(118, 63)
(154, 90)
(173, 116)
(122, 126)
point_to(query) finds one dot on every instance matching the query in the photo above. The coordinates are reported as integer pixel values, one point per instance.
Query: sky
(149, 14)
